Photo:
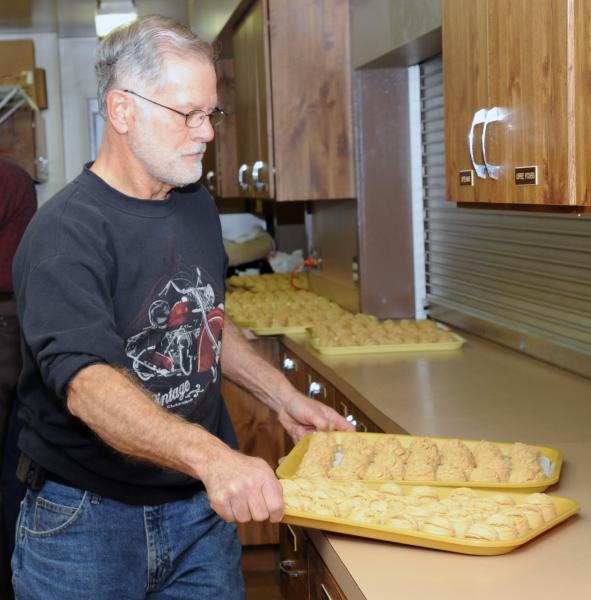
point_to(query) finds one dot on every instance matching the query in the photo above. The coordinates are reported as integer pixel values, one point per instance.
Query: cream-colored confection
(424, 491)
(363, 515)
(376, 471)
(289, 487)
(401, 521)
(294, 502)
(437, 525)
(450, 473)
(463, 494)
(425, 446)
(523, 453)
(392, 488)
(545, 504)
(419, 513)
(419, 472)
(501, 500)
(482, 532)
(519, 520)
(500, 466)
(532, 513)
(456, 453)
(486, 451)
(460, 520)
(504, 526)
(523, 474)
(484, 475)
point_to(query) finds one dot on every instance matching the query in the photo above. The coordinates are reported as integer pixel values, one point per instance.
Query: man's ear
(119, 110)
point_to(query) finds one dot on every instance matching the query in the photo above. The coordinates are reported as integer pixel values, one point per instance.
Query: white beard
(167, 170)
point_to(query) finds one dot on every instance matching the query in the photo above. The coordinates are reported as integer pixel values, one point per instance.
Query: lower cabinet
(304, 575)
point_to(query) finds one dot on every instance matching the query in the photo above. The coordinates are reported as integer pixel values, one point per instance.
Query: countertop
(483, 391)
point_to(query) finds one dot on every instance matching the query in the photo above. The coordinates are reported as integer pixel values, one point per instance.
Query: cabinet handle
(209, 179)
(241, 183)
(289, 364)
(294, 537)
(478, 119)
(285, 567)
(315, 389)
(324, 595)
(361, 426)
(344, 409)
(258, 184)
(493, 115)
(352, 420)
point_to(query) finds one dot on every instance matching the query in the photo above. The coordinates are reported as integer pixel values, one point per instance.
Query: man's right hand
(242, 488)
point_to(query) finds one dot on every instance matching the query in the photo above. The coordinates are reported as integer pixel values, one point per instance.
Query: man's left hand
(301, 415)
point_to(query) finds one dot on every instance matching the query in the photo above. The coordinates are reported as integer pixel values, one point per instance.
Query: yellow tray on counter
(457, 343)
(550, 461)
(565, 508)
(277, 330)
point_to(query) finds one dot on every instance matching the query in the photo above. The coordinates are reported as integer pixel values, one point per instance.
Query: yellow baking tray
(277, 330)
(457, 343)
(550, 461)
(565, 508)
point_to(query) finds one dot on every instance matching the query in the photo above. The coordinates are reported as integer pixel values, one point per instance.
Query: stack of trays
(461, 516)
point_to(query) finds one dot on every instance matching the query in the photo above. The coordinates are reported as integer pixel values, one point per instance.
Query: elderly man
(134, 485)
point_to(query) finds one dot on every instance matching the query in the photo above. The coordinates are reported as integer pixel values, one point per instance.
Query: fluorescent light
(112, 14)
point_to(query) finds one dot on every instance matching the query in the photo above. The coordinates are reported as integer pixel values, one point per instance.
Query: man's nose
(204, 133)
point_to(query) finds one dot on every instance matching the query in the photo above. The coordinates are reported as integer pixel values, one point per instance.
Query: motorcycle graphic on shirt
(184, 334)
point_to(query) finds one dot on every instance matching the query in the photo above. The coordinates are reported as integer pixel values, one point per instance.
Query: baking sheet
(457, 343)
(550, 461)
(277, 330)
(565, 508)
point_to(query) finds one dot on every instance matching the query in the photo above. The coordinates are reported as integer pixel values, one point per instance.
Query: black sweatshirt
(101, 277)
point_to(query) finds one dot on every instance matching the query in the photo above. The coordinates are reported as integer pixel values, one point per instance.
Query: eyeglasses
(193, 119)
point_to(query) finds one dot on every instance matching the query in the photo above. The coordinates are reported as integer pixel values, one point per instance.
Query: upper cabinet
(293, 100)
(516, 82)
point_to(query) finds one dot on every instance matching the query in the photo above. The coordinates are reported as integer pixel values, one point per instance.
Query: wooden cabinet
(220, 160)
(319, 388)
(293, 563)
(516, 78)
(322, 585)
(293, 100)
(361, 421)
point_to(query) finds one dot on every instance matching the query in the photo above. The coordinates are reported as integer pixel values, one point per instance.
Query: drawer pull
(286, 567)
(324, 595)
(344, 409)
(351, 420)
(288, 364)
(294, 537)
(361, 426)
(315, 389)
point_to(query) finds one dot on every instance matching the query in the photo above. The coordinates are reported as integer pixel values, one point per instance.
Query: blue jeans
(75, 545)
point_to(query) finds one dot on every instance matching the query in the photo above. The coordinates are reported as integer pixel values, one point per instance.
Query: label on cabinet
(526, 175)
(467, 177)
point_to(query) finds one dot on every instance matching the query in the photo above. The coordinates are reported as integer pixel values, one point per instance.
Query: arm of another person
(115, 406)
(297, 413)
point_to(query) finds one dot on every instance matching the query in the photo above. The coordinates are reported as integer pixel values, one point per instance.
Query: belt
(33, 475)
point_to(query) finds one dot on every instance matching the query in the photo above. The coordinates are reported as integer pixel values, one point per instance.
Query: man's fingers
(273, 494)
(240, 510)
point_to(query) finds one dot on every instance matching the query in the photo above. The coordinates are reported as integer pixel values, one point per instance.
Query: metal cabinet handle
(493, 115)
(344, 409)
(241, 183)
(324, 595)
(258, 184)
(209, 179)
(285, 567)
(314, 389)
(289, 364)
(352, 420)
(478, 119)
(361, 426)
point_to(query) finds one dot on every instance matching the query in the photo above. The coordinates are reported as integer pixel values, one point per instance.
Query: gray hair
(136, 53)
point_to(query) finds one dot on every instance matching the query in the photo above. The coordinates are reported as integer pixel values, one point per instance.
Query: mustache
(198, 150)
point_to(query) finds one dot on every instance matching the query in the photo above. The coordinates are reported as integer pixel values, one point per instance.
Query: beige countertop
(483, 391)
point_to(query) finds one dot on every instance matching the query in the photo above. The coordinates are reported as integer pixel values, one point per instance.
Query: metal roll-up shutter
(521, 278)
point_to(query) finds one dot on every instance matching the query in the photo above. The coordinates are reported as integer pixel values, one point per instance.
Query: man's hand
(301, 415)
(242, 488)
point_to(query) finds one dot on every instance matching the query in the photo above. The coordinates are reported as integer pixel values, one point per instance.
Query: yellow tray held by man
(550, 460)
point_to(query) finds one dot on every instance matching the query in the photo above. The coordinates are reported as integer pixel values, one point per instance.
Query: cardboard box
(17, 67)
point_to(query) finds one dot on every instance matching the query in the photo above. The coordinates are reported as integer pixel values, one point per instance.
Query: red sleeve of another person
(18, 202)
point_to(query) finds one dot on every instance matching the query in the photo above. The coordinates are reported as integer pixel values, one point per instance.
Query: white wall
(47, 57)
(78, 86)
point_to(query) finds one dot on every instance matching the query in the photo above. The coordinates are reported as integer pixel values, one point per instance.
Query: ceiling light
(113, 13)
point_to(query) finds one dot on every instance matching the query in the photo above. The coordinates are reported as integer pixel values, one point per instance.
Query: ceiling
(73, 18)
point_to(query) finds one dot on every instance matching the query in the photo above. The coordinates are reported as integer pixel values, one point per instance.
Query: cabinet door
(293, 562)
(321, 582)
(319, 388)
(226, 163)
(528, 45)
(246, 103)
(361, 421)
(465, 85)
